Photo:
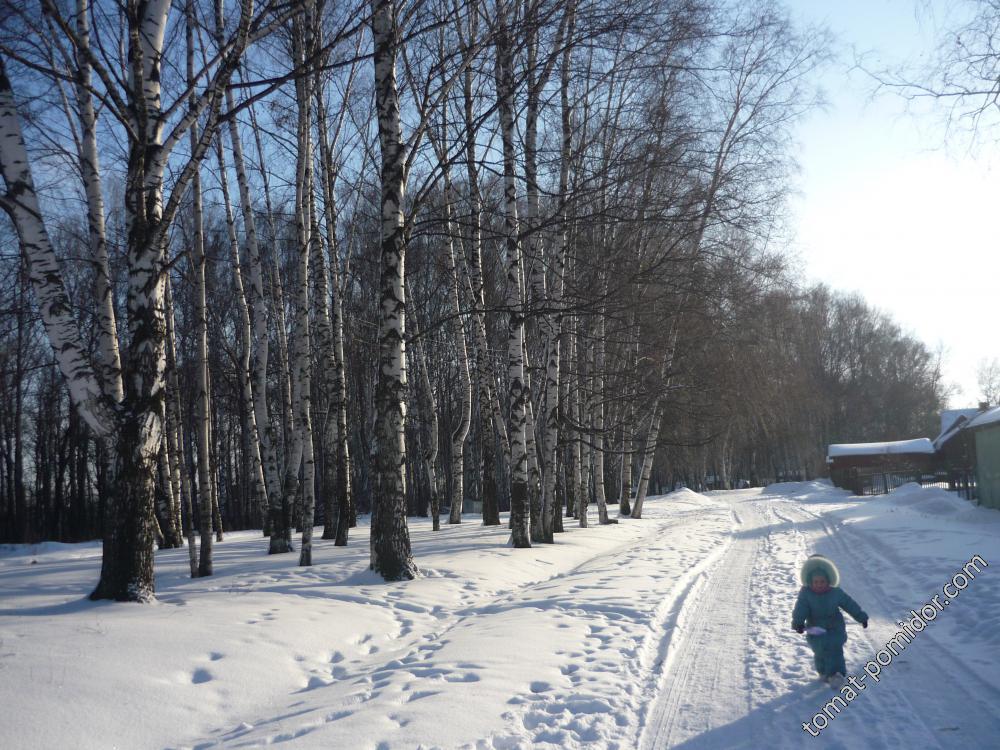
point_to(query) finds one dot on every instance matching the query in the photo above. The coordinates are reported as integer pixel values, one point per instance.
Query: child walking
(817, 612)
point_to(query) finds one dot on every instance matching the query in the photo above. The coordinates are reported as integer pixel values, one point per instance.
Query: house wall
(988, 465)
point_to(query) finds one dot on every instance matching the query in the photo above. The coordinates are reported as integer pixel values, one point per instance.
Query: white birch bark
(456, 327)
(175, 441)
(252, 440)
(20, 201)
(127, 563)
(517, 391)
(537, 76)
(302, 384)
(330, 340)
(267, 450)
(553, 388)
(390, 539)
(531, 446)
(625, 490)
(461, 430)
(431, 451)
(597, 408)
(280, 511)
(583, 440)
(653, 435)
(202, 405)
(338, 393)
(90, 170)
(491, 421)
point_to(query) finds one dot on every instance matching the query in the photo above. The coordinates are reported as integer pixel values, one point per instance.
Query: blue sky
(889, 205)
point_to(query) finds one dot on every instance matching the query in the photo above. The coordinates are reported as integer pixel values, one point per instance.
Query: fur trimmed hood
(819, 564)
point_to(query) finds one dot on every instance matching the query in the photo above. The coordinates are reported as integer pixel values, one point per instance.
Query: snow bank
(685, 494)
(75, 551)
(932, 501)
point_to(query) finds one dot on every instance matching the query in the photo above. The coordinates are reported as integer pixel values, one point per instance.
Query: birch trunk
(652, 437)
(553, 333)
(461, 431)
(534, 274)
(332, 343)
(307, 238)
(175, 440)
(597, 412)
(625, 496)
(213, 463)
(165, 518)
(542, 486)
(279, 511)
(90, 169)
(431, 451)
(127, 564)
(583, 440)
(457, 330)
(491, 422)
(571, 437)
(517, 390)
(252, 440)
(390, 539)
(20, 202)
(202, 406)
(531, 444)
(265, 451)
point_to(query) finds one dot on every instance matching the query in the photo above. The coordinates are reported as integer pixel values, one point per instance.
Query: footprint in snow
(419, 694)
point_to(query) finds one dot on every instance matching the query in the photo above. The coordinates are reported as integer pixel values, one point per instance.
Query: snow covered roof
(987, 417)
(950, 416)
(947, 434)
(917, 445)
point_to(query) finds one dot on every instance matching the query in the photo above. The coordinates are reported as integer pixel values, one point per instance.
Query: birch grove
(566, 219)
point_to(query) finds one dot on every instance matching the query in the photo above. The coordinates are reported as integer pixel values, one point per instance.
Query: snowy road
(669, 632)
(739, 678)
(704, 682)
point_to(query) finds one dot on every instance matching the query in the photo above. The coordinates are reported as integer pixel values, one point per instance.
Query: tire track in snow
(704, 679)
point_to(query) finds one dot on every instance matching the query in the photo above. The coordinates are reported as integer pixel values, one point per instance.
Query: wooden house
(956, 451)
(876, 468)
(985, 431)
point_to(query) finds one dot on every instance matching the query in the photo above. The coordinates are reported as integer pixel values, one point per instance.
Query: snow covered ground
(672, 631)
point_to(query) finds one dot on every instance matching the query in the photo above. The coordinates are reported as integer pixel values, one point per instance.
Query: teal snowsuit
(824, 610)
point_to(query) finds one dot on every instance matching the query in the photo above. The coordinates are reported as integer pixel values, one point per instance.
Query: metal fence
(964, 483)
(867, 483)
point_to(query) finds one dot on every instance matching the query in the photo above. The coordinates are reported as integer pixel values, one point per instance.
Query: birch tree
(137, 423)
(390, 538)
(517, 395)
